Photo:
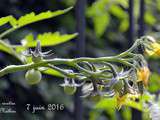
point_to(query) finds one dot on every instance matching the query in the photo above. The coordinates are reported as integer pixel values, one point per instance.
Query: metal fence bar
(80, 47)
(80, 27)
(137, 115)
(131, 22)
(141, 29)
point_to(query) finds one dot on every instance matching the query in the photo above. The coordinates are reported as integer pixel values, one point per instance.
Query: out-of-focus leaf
(100, 23)
(98, 12)
(154, 82)
(149, 18)
(69, 2)
(97, 8)
(118, 12)
(109, 105)
(126, 113)
(124, 3)
(158, 5)
(124, 24)
(31, 18)
(94, 114)
(133, 104)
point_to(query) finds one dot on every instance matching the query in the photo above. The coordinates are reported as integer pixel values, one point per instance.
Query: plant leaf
(47, 39)
(149, 18)
(7, 19)
(31, 18)
(101, 22)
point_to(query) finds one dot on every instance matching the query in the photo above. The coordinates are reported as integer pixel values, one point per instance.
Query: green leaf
(158, 5)
(118, 12)
(98, 12)
(109, 103)
(126, 113)
(31, 18)
(154, 82)
(149, 18)
(124, 3)
(7, 19)
(133, 104)
(98, 7)
(124, 25)
(47, 39)
(100, 23)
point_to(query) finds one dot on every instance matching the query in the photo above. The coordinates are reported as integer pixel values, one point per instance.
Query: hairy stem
(125, 53)
(58, 61)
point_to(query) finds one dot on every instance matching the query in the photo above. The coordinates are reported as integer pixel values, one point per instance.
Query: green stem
(123, 54)
(62, 71)
(58, 61)
(8, 31)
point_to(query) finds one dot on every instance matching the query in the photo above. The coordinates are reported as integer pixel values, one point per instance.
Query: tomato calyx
(70, 86)
(37, 55)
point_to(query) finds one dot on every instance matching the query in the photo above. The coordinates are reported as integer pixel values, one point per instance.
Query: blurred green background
(106, 33)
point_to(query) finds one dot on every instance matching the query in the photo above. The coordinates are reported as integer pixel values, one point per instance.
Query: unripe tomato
(70, 90)
(33, 76)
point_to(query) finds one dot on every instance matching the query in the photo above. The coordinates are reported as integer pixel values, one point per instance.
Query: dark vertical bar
(80, 46)
(131, 22)
(137, 115)
(141, 19)
(80, 27)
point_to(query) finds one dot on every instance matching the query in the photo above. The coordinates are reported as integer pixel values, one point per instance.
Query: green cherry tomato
(33, 76)
(70, 90)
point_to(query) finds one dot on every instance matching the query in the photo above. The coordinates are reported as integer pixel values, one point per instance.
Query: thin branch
(58, 61)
